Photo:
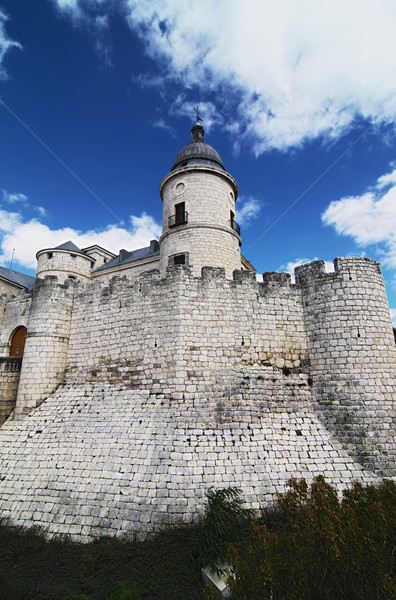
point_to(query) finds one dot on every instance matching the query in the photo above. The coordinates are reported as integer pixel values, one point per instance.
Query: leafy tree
(224, 523)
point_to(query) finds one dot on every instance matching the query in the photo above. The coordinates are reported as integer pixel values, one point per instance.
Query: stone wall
(159, 389)
(98, 458)
(8, 288)
(10, 367)
(353, 357)
(185, 334)
(131, 272)
(47, 340)
(14, 312)
(63, 264)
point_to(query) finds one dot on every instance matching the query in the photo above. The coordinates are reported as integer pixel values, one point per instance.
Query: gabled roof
(19, 279)
(125, 258)
(98, 248)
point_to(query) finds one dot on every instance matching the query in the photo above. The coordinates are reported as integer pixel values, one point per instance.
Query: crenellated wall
(62, 265)
(142, 395)
(185, 333)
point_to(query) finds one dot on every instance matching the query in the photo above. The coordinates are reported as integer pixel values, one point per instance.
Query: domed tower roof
(197, 152)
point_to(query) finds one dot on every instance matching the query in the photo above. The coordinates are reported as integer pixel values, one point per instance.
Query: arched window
(18, 342)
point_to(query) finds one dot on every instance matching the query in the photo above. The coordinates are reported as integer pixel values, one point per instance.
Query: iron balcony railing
(234, 225)
(178, 219)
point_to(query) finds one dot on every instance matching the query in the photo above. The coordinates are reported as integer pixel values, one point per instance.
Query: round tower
(64, 262)
(198, 218)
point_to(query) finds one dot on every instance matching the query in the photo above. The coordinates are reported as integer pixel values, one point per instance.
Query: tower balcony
(234, 225)
(180, 218)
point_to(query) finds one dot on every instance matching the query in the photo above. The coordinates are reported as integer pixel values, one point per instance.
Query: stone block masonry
(145, 394)
(352, 357)
(99, 458)
(46, 346)
(10, 367)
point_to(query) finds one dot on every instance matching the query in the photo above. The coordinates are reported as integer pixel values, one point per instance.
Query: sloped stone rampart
(165, 387)
(96, 458)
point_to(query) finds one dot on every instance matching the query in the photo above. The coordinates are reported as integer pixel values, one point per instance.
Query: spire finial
(197, 130)
(197, 115)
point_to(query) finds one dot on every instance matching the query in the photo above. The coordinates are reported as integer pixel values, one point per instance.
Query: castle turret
(198, 223)
(64, 262)
(47, 340)
(352, 356)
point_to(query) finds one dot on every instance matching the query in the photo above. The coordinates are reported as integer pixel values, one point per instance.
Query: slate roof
(69, 246)
(19, 279)
(125, 258)
(197, 152)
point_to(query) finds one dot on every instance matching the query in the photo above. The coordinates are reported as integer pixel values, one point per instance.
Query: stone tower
(48, 327)
(64, 262)
(352, 357)
(198, 222)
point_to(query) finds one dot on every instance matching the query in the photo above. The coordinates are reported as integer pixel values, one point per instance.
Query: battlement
(345, 268)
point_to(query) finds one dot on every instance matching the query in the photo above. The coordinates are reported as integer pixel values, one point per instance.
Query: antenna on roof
(12, 257)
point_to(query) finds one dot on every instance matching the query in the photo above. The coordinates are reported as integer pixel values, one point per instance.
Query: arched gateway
(18, 342)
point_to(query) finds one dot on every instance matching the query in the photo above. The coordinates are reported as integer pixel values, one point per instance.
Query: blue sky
(299, 98)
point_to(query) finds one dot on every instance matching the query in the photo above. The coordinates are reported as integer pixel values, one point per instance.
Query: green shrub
(323, 548)
(139, 589)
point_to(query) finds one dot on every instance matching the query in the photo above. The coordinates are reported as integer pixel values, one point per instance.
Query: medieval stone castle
(130, 384)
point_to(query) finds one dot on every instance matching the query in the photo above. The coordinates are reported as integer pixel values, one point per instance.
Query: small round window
(179, 188)
(232, 195)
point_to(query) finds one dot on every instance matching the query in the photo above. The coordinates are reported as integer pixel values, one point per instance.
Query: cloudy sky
(298, 97)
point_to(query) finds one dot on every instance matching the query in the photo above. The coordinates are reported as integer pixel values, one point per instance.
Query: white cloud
(92, 16)
(5, 44)
(299, 69)
(182, 107)
(161, 124)
(13, 198)
(27, 237)
(41, 211)
(387, 179)
(8, 221)
(291, 71)
(22, 200)
(393, 316)
(369, 218)
(247, 209)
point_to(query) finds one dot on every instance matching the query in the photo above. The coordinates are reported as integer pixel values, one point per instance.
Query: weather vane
(197, 115)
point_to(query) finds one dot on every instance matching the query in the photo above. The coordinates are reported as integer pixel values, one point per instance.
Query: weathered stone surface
(170, 386)
(139, 392)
